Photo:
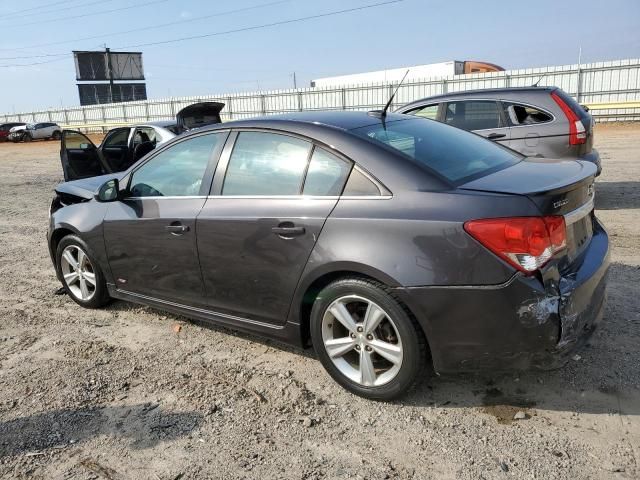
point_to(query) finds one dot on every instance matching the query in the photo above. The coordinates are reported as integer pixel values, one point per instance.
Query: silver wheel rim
(362, 341)
(78, 273)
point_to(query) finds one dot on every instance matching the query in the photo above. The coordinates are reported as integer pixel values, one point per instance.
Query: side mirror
(84, 146)
(109, 191)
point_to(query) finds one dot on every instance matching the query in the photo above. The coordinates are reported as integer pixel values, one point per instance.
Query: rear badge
(560, 203)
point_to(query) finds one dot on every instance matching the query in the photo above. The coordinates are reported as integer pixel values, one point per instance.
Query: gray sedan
(385, 241)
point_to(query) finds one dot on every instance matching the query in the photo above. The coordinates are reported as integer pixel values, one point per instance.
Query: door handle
(494, 136)
(176, 228)
(288, 230)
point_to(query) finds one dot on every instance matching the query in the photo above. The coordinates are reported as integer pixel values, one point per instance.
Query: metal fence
(610, 89)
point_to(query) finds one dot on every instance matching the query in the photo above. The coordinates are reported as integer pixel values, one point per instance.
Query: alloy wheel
(78, 273)
(362, 341)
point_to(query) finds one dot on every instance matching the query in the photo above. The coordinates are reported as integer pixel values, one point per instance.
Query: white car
(35, 131)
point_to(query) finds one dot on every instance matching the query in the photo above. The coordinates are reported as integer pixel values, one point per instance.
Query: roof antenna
(383, 113)
(536, 84)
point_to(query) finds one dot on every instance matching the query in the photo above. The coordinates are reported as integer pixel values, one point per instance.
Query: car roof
(484, 92)
(334, 119)
(159, 123)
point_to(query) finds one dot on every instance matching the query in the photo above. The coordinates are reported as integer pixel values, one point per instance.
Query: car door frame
(106, 168)
(205, 187)
(216, 192)
(504, 124)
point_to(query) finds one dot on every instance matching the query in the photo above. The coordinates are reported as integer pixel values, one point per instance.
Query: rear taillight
(577, 132)
(527, 243)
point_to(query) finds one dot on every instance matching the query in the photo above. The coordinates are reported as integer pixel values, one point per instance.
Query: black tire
(414, 356)
(100, 295)
(27, 137)
(56, 135)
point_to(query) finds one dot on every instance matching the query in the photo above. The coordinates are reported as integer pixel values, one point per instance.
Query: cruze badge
(560, 203)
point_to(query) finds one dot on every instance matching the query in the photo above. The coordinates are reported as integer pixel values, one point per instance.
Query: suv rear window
(453, 153)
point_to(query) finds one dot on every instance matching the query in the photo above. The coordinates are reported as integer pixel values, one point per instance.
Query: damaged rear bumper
(521, 324)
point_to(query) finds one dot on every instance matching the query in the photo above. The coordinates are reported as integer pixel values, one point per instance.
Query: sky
(512, 34)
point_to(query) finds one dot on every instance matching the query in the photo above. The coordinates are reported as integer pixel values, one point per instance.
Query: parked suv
(535, 121)
(5, 128)
(36, 131)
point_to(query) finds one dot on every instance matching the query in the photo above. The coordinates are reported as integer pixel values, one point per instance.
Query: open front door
(80, 157)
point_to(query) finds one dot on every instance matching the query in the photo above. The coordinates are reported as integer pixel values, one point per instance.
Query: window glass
(526, 115)
(452, 153)
(119, 138)
(326, 175)
(359, 185)
(472, 115)
(428, 111)
(266, 164)
(144, 134)
(76, 141)
(178, 170)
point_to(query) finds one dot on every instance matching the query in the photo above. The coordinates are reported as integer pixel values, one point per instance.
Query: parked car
(382, 240)
(123, 146)
(35, 131)
(5, 129)
(535, 121)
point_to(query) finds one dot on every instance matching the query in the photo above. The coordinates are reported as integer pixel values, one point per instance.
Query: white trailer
(443, 69)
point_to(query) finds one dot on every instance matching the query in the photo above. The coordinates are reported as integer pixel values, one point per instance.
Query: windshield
(31, 126)
(453, 153)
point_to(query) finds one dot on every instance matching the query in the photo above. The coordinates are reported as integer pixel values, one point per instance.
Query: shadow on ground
(143, 426)
(617, 195)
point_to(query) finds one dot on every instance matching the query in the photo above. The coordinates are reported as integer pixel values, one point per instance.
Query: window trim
(207, 179)
(225, 157)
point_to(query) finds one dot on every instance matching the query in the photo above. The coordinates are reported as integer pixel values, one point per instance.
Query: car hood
(87, 187)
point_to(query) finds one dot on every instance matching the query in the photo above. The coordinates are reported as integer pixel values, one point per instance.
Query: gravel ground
(133, 393)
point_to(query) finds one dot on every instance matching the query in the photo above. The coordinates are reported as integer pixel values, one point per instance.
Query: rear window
(575, 106)
(453, 153)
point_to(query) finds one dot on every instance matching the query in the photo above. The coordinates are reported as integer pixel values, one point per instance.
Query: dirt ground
(134, 393)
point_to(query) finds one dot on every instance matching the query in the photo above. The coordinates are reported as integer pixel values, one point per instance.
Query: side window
(118, 138)
(266, 164)
(526, 115)
(144, 134)
(326, 174)
(473, 114)
(177, 171)
(359, 185)
(428, 111)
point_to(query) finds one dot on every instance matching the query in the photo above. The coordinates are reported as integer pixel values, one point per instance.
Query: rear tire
(80, 273)
(27, 137)
(56, 135)
(366, 339)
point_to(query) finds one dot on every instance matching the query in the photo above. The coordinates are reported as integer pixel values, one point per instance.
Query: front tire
(366, 339)
(56, 135)
(80, 273)
(27, 137)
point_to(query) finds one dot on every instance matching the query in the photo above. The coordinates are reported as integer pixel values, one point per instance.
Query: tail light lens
(577, 132)
(527, 243)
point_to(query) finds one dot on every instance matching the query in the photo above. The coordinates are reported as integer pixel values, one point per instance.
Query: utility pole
(107, 52)
(295, 83)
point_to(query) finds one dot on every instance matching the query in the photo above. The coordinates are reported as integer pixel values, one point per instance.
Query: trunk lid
(199, 115)
(556, 187)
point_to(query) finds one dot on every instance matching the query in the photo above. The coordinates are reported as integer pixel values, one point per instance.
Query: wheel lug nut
(369, 337)
(360, 329)
(358, 347)
(353, 335)
(367, 348)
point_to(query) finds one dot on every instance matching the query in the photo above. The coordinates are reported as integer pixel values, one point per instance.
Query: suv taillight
(577, 132)
(527, 243)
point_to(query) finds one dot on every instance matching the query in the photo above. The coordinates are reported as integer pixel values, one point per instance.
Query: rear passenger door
(483, 117)
(271, 195)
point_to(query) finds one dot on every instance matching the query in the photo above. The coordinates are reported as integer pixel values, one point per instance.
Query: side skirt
(288, 333)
